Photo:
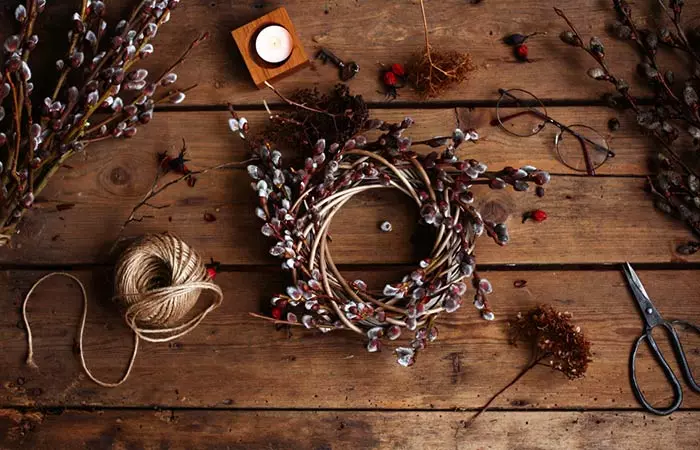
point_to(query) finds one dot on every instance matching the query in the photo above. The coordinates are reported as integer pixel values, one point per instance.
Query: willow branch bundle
(100, 94)
(675, 114)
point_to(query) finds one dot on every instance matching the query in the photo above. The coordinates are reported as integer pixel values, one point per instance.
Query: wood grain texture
(235, 360)
(387, 31)
(373, 32)
(592, 220)
(292, 430)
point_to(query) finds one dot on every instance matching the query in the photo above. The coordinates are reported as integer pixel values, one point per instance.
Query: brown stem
(497, 394)
(30, 147)
(14, 155)
(295, 104)
(155, 190)
(33, 13)
(427, 45)
(203, 37)
(74, 43)
(172, 94)
(276, 321)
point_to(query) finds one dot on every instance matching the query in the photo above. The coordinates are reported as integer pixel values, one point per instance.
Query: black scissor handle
(680, 353)
(670, 376)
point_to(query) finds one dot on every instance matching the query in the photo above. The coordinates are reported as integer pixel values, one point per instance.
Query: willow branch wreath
(298, 206)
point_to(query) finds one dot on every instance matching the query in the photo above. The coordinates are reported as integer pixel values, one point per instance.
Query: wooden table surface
(236, 382)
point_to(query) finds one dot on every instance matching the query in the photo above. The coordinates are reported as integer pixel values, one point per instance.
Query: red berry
(521, 52)
(277, 312)
(211, 271)
(538, 215)
(389, 79)
(398, 69)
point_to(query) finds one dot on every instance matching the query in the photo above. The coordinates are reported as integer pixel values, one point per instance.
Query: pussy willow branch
(194, 44)
(101, 60)
(676, 20)
(650, 53)
(624, 92)
(74, 43)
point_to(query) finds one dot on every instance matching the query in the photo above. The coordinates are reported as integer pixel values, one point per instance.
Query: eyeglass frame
(590, 169)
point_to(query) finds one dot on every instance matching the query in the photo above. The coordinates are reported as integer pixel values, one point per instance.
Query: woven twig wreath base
(298, 207)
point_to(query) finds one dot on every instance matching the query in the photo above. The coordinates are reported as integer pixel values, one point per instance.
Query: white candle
(274, 44)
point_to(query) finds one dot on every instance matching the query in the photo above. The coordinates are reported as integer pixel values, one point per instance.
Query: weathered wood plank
(232, 359)
(289, 430)
(594, 219)
(388, 31)
(210, 140)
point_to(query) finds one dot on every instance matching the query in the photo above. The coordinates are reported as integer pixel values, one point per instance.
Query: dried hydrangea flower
(554, 339)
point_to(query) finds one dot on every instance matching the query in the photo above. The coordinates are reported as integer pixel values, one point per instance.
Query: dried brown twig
(156, 189)
(336, 116)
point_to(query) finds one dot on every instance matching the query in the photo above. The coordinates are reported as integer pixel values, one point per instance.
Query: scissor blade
(651, 315)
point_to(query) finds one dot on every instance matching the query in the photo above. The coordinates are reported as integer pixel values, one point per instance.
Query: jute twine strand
(158, 282)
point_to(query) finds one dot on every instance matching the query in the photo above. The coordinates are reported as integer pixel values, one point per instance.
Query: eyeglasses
(522, 114)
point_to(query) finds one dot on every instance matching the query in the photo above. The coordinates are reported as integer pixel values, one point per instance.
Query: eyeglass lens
(520, 113)
(570, 150)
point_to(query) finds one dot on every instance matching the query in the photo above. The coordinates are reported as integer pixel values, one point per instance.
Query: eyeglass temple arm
(504, 119)
(579, 136)
(548, 119)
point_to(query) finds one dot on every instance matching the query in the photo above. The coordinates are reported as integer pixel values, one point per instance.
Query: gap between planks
(61, 408)
(435, 104)
(234, 268)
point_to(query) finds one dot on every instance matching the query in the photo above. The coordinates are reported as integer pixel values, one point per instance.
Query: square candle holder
(260, 70)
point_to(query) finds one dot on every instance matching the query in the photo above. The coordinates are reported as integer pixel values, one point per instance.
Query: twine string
(158, 282)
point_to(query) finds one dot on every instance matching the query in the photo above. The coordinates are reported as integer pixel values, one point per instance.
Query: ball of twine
(158, 283)
(298, 206)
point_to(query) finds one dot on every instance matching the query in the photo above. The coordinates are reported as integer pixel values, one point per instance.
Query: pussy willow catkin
(158, 282)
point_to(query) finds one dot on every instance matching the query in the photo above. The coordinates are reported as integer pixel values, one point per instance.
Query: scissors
(652, 319)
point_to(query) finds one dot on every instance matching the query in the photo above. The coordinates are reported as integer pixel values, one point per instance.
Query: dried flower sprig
(434, 71)
(554, 339)
(555, 342)
(176, 165)
(100, 94)
(297, 206)
(676, 110)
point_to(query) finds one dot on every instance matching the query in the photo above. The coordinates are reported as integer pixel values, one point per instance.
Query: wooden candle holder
(259, 69)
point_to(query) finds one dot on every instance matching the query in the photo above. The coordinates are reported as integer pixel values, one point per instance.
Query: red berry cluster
(394, 78)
